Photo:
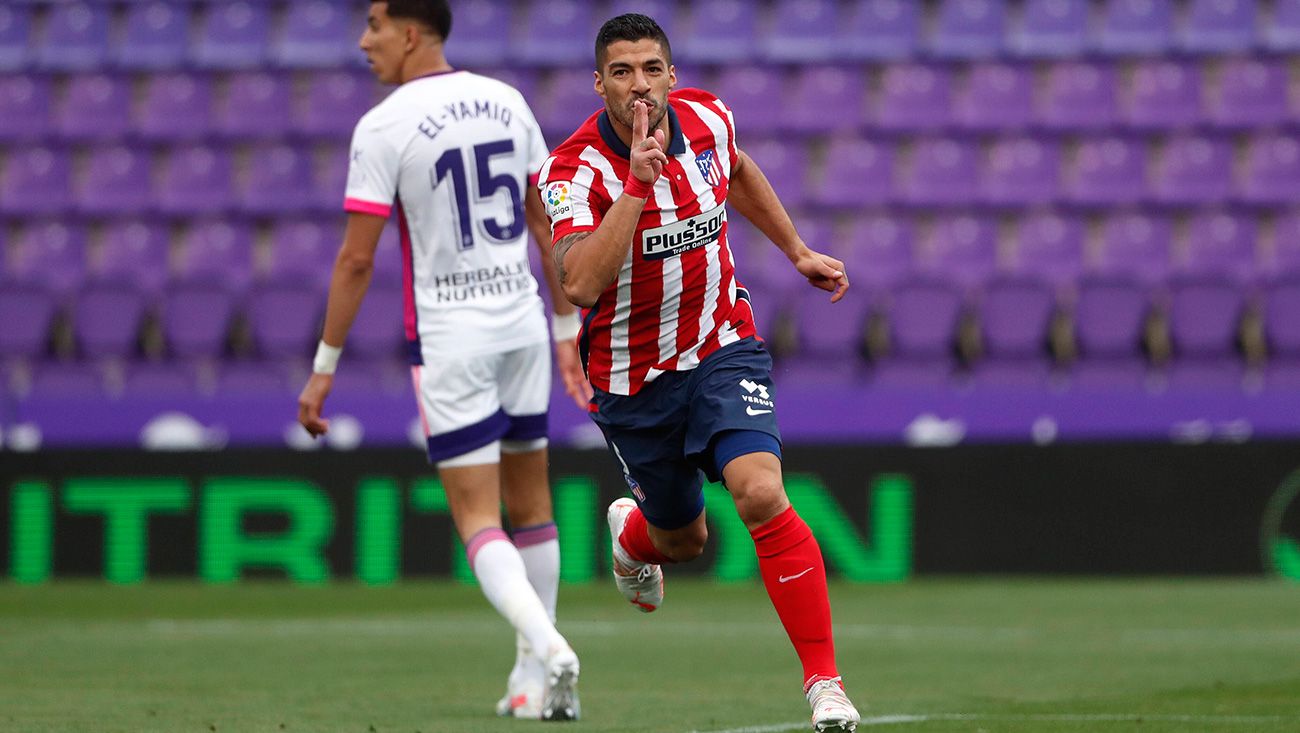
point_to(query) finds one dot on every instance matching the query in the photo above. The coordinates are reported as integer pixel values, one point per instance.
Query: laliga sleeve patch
(559, 200)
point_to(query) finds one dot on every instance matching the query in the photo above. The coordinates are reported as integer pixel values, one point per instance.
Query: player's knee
(688, 543)
(759, 497)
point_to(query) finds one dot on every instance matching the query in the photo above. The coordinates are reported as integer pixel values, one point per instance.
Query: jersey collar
(676, 145)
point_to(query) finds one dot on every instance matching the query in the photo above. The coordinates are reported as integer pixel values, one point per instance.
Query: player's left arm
(753, 196)
(565, 323)
(351, 278)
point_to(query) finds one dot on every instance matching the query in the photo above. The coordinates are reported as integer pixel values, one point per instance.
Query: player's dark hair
(435, 14)
(630, 27)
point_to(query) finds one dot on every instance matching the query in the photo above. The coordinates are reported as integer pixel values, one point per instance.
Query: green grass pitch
(993, 655)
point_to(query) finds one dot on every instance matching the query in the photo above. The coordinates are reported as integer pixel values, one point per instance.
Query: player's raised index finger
(640, 122)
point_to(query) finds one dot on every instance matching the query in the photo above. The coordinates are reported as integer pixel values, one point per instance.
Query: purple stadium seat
(1285, 260)
(943, 172)
(255, 378)
(557, 33)
(567, 102)
(1015, 314)
(1050, 246)
(51, 253)
(1250, 93)
(276, 181)
(334, 101)
(95, 107)
(194, 180)
(152, 380)
(329, 178)
(880, 30)
(27, 309)
(1194, 171)
(284, 317)
(913, 97)
(1163, 94)
(76, 37)
(35, 181)
(106, 319)
(136, 252)
(1107, 171)
(968, 29)
(1219, 26)
(67, 379)
(388, 255)
(1135, 245)
(1051, 29)
(217, 250)
(1282, 31)
(824, 99)
(664, 12)
(858, 172)
(480, 32)
(1222, 245)
(830, 335)
(155, 35)
(799, 30)
(1021, 171)
(1109, 317)
(254, 106)
(963, 249)
(1143, 27)
(1282, 330)
(318, 33)
(304, 249)
(175, 107)
(721, 32)
(923, 316)
(1078, 95)
(378, 330)
(749, 91)
(784, 164)
(1204, 315)
(878, 250)
(233, 35)
(996, 96)
(522, 79)
(24, 107)
(115, 181)
(15, 38)
(196, 316)
(1272, 170)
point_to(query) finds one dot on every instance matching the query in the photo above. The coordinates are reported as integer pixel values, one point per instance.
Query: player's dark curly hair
(630, 27)
(435, 14)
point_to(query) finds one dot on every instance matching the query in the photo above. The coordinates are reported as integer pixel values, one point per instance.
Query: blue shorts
(686, 423)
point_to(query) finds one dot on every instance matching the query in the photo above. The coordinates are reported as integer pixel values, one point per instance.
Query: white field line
(873, 720)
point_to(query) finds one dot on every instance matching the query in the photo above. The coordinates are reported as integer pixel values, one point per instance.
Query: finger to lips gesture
(648, 158)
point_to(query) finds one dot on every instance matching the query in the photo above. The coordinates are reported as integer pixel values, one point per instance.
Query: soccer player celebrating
(637, 202)
(453, 152)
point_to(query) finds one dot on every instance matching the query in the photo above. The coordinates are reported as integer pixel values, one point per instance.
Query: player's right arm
(587, 262)
(351, 278)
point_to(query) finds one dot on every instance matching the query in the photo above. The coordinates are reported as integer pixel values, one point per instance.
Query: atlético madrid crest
(707, 162)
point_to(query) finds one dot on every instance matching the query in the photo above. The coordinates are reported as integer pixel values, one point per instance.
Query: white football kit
(450, 156)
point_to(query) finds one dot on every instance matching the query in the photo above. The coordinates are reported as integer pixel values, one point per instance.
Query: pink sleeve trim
(366, 207)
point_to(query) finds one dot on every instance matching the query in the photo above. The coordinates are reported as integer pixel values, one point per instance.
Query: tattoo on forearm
(560, 249)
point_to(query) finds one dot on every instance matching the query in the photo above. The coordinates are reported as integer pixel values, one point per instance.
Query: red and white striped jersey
(676, 299)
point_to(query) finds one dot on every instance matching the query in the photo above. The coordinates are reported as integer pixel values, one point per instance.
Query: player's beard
(627, 115)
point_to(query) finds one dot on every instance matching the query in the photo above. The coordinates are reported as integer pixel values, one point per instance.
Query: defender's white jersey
(453, 153)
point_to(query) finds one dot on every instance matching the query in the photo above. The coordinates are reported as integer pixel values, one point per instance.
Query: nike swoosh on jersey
(752, 412)
(787, 579)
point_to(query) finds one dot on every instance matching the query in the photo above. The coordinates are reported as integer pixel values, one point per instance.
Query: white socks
(502, 575)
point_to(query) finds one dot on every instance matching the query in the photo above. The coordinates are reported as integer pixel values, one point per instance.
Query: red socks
(790, 562)
(636, 540)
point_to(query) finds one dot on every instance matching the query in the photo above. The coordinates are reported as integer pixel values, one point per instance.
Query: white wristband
(327, 358)
(565, 328)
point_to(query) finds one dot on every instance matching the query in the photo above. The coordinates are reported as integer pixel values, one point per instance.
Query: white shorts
(473, 401)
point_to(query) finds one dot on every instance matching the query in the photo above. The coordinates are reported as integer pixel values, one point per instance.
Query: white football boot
(642, 584)
(831, 710)
(560, 696)
(524, 689)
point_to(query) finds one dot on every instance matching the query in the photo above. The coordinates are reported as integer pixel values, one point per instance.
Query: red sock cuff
(780, 533)
(636, 540)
